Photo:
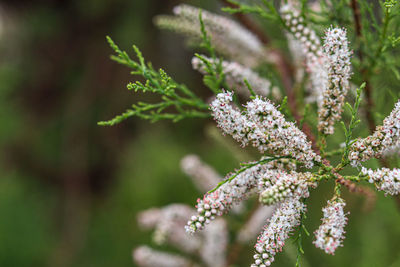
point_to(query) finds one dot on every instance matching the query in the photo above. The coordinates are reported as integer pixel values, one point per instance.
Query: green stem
(244, 168)
(299, 238)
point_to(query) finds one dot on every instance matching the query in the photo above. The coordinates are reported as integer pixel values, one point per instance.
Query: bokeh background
(69, 189)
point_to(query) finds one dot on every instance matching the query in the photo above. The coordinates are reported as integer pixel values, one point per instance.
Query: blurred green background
(69, 189)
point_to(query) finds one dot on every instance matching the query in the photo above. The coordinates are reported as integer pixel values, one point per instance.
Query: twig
(369, 194)
(361, 190)
(357, 17)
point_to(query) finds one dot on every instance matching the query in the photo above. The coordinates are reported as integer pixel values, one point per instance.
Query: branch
(361, 190)
(356, 16)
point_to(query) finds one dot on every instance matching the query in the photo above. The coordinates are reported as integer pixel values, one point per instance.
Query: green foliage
(215, 77)
(173, 95)
(284, 108)
(299, 238)
(267, 10)
(389, 4)
(353, 123)
(394, 40)
(248, 85)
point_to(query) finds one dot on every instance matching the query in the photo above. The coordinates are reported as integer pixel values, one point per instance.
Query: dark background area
(69, 193)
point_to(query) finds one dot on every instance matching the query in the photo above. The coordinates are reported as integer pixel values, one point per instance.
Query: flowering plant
(295, 154)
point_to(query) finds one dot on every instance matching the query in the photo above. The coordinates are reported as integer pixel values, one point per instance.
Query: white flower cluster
(230, 119)
(210, 246)
(168, 223)
(281, 164)
(384, 179)
(307, 40)
(172, 216)
(274, 172)
(149, 218)
(338, 66)
(281, 185)
(329, 236)
(215, 243)
(212, 243)
(235, 74)
(228, 37)
(202, 175)
(233, 192)
(384, 137)
(147, 257)
(264, 126)
(271, 132)
(298, 28)
(205, 177)
(221, 200)
(285, 219)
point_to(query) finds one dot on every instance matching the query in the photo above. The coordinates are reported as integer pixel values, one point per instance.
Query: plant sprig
(353, 123)
(299, 238)
(215, 77)
(271, 14)
(173, 95)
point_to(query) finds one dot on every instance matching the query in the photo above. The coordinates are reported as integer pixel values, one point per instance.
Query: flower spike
(263, 126)
(337, 64)
(384, 137)
(272, 239)
(330, 234)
